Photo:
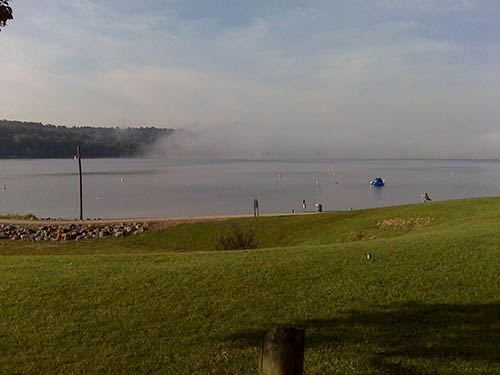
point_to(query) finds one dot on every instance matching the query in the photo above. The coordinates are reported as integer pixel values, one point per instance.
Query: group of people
(423, 196)
(256, 207)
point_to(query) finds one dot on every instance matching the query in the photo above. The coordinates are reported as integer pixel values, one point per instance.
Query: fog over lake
(174, 188)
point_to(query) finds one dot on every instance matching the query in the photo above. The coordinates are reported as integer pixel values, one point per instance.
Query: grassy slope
(283, 231)
(428, 302)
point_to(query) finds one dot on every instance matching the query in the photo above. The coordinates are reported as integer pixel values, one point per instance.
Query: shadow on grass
(387, 336)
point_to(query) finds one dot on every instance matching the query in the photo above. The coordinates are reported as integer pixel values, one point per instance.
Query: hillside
(35, 140)
(166, 303)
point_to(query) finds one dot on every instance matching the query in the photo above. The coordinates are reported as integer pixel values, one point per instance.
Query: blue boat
(377, 181)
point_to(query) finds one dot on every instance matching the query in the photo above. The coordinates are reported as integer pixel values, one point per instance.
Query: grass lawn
(428, 302)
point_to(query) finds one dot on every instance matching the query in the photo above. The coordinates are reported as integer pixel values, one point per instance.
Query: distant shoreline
(228, 159)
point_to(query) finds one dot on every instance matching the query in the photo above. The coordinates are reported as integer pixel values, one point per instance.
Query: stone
(67, 236)
(55, 232)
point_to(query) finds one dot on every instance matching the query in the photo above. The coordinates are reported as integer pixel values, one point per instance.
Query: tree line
(5, 13)
(35, 140)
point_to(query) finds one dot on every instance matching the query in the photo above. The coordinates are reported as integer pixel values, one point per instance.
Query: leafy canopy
(5, 13)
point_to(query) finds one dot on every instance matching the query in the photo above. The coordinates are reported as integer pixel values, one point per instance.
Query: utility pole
(79, 157)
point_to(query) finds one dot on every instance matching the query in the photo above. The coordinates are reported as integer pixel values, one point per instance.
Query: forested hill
(35, 140)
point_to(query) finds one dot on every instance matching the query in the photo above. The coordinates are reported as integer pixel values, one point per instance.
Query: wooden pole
(79, 157)
(282, 352)
(255, 207)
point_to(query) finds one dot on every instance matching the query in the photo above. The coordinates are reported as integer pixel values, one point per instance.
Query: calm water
(157, 187)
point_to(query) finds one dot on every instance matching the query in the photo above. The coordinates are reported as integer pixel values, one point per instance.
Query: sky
(264, 78)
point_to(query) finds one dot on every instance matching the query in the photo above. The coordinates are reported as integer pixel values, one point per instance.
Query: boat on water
(377, 181)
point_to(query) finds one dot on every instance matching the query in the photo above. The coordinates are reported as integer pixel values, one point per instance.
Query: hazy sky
(265, 78)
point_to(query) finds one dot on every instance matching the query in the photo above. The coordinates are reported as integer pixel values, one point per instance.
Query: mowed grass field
(428, 302)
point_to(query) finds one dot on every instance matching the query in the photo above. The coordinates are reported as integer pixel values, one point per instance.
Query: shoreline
(160, 220)
(66, 229)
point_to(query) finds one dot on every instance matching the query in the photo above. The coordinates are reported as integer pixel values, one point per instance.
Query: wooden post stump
(79, 157)
(282, 352)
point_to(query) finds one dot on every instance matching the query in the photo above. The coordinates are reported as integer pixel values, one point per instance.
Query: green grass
(427, 303)
(17, 216)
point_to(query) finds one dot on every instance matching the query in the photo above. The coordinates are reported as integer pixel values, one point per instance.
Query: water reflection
(377, 193)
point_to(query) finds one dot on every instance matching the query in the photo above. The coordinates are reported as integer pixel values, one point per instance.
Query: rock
(54, 232)
(67, 236)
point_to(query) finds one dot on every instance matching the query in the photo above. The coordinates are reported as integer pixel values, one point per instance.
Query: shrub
(236, 239)
(17, 216)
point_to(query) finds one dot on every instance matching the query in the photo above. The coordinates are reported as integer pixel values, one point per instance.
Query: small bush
(17, 216)
(236, 239)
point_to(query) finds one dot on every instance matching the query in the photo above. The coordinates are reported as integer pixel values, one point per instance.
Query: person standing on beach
(304, 205)
(255, 207)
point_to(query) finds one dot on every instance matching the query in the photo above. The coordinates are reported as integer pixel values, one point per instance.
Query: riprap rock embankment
(57, 232)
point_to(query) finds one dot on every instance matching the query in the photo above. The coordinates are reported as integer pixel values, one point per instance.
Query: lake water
(173, 188)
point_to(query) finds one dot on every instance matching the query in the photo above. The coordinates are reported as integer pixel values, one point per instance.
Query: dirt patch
(359, 236)
(410, 223)
(164, 224)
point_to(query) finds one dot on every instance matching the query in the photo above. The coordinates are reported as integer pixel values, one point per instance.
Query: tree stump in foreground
(282, 352)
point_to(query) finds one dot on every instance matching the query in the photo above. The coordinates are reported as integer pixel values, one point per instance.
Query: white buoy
(122, 179)
(317, 182)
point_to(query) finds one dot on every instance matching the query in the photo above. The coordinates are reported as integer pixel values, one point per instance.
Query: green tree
(5, 13)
